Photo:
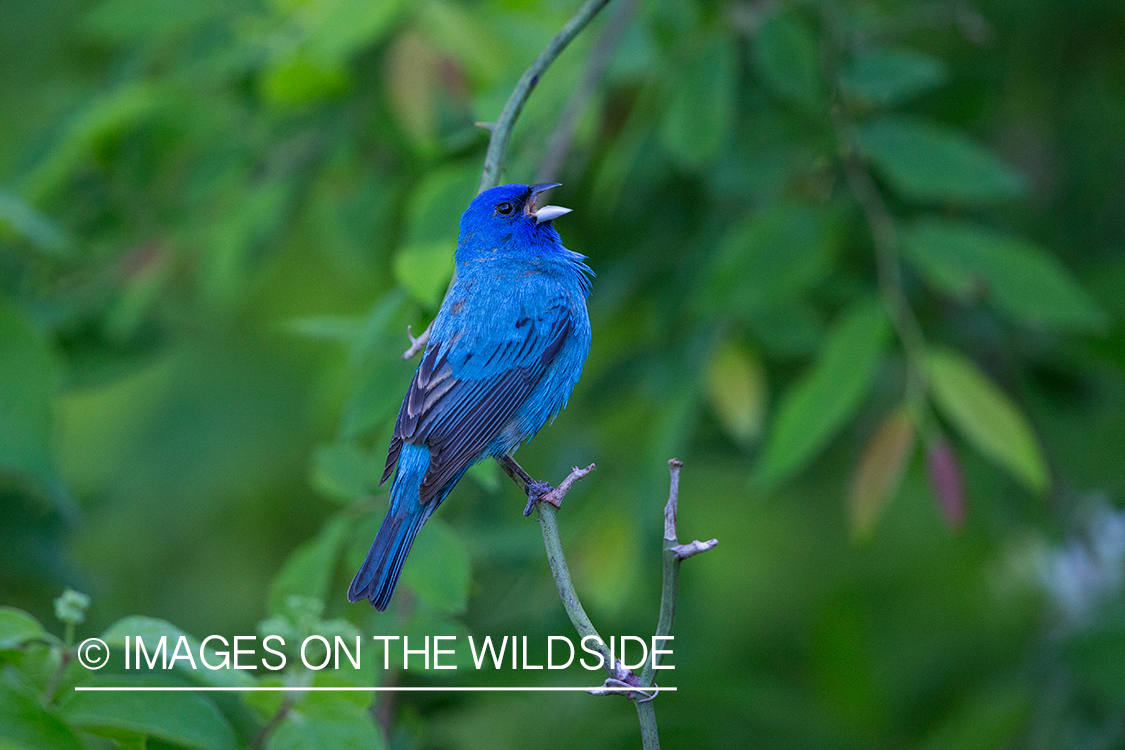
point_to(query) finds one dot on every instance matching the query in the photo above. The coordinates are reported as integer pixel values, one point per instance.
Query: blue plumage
(504, 354)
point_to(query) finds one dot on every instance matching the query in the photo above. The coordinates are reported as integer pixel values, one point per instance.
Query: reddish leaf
(946, 481)
(879, 471)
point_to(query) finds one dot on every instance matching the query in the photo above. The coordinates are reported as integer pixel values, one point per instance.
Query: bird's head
(510, 211)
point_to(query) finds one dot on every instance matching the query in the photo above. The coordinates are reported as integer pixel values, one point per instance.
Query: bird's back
(511, 302)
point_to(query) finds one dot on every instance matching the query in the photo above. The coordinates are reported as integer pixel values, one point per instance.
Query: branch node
(417, 343)
(489, 126)
(555, 496)
(684, 551)
(611, 686)
(614, 686)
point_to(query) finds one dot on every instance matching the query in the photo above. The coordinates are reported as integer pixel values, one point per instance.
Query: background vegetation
(860, 265)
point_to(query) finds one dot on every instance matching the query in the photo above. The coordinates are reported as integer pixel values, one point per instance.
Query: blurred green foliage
(217, 220)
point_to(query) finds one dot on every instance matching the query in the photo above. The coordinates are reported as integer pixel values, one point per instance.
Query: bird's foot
(537, 491)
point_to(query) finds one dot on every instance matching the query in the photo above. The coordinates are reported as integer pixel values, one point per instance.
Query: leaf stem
(881, 223)
(65, 657)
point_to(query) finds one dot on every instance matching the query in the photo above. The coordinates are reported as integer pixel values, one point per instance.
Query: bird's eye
(505, 208)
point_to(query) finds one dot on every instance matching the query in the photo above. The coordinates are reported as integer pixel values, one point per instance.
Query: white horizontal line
(396, 689)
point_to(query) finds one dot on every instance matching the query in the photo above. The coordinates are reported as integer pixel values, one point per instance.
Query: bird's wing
(457, 417)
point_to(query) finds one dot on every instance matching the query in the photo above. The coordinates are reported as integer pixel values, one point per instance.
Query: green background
(217, 220)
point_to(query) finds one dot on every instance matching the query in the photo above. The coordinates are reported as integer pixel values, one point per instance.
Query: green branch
(641, 690)
(502, 129)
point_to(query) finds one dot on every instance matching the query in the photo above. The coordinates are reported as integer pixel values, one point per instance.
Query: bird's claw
(537, 491)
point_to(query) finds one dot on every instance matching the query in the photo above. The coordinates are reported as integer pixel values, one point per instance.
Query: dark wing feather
(457, 419)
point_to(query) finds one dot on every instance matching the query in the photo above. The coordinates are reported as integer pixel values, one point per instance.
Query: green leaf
(340, 28)
(327, 720)
(27, 389)
(344, 329)
(879, 471)
(786, 56)
(772, 258)
(309, 569)
(698, 119)
(24, 725)
(18, 627)
(487, 475)
(326, 33)
(928, 163)
(108, 116)
(188, 719)
(437, 203)
(986, 417)
(995, 716)
(1021, 279)
(345, 472)
(881, 77)
(736, 388)
(827, 396)
(33, 226)
(376, 366)
(1096, 656)
(303, 78)
(424, 270)
(151, 629)
(425, 262)
(438, 568)
(266, 703)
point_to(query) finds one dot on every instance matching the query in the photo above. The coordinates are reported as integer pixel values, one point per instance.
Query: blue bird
(504, 354)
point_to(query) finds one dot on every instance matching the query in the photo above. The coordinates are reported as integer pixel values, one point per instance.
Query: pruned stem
(417, 343)
(674, 554)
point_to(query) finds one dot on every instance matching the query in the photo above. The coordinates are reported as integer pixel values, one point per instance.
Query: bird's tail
(379, 573)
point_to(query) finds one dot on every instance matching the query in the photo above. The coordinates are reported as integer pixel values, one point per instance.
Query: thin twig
(884, 236)
(684, 551)
(600, 56)
(53, 685)
(646, 715)
(417, 343)
(881, 223)
(274, 722)
(674, 554)
(501, 130)
(560, 571)
(555, 496)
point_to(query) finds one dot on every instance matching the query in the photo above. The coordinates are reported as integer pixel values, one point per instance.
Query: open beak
(547, 213)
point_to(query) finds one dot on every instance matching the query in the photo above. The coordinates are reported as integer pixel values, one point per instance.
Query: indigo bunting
(504, 354)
